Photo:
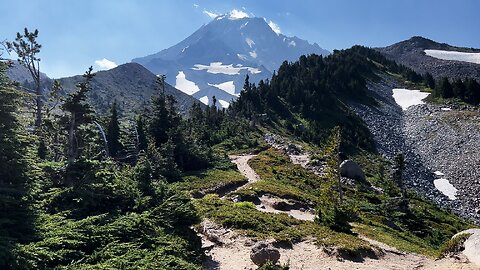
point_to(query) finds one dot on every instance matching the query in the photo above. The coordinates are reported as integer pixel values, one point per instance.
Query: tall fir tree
(79, 113)
(15, 216)
(113, 133)
(27, 48)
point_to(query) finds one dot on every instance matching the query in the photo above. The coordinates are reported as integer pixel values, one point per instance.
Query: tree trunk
(71, 149)
(39, 104)
(71, 141)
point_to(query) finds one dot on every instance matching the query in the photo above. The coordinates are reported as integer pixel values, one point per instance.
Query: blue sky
(75, 34)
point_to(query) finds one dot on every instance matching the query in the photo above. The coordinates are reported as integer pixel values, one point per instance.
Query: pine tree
(14, 215)
(429, 80)
(472, 91)
(113, 132)
(79, 113)
(459, 89)
(27, 49)
(445, 89)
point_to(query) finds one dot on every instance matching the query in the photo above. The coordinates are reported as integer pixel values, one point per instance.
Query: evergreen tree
(142, 140)
(161, 118)
(27, 49)
(459, 89)
(113, 132)
(472, 91)
(429, 80)
(79, 113)
(445, 88)
(15, 217)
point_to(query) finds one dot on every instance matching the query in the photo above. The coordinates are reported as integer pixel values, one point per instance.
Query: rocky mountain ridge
(411, 53)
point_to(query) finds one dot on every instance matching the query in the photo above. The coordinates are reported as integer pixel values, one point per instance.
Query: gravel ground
(431, 140)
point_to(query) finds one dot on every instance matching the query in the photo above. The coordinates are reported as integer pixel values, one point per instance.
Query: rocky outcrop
(350, 169)
(263, 252)
(471, 246)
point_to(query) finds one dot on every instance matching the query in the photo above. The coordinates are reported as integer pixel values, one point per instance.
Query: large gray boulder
(472, 245)
(350, 169)
(262, 252)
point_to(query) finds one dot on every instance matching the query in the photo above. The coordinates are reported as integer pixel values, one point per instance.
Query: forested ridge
(80, 190)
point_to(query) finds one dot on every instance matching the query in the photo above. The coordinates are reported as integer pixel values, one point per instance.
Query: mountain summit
(440, 59)
(215, 59)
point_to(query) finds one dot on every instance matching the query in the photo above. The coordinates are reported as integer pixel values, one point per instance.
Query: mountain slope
(19, 73)
(215, 59)
(412, 53)
(131, 85)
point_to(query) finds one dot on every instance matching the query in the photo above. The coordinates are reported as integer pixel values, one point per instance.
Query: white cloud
(195, 5)
(211, 14)
(274, 27)
(238, 14)
(104, 64)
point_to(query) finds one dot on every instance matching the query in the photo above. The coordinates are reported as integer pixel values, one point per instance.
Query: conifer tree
(429, 80)
(27, 49)
(459, 89)
(14, 172)
(113, 132)
(79, 112)
(472, 91)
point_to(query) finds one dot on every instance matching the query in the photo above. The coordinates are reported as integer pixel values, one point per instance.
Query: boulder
(350, 169)
(472, 246)
(262, 252)
(293, 149)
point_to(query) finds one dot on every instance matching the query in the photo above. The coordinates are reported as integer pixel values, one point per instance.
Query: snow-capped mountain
(215, 59)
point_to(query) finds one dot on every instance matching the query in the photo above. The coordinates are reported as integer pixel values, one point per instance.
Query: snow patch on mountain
(274, 27)
(204, 100)
(250, 42)
(406, 98)
(220, 68)
(292, 43)
(253, 54)
(241, 57)
(228, 87)
(444, 186)
(184, 85)
(454, 55)
(223, 103)
(243, 25)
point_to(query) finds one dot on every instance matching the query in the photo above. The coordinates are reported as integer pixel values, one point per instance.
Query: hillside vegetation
(73, 199)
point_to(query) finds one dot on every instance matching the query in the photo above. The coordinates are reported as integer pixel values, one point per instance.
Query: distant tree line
(467, 90)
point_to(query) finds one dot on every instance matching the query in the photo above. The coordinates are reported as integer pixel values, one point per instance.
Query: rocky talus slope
(432, 138)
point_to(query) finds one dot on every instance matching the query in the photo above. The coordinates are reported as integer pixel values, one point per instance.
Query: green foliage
(454, 245)
(16, 174)
(27, 49)
(196, 183)
(467, 90)
(314, 89)
(117, 217)
(272, 266)
(429, 80)
(281, 227)
(113, 132)
(282, 178)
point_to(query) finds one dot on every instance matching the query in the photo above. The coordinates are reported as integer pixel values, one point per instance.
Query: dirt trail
(267, 202)
(305, 255)
(228, 250)
(244, 168)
